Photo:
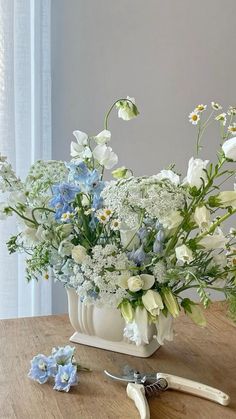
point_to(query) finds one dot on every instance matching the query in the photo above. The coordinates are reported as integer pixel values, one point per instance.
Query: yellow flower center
(194, 117)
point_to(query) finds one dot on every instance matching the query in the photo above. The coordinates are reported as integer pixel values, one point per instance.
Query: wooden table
(206, 355)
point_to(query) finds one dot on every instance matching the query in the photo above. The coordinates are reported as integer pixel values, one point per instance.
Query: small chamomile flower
(102, 217)
(66, 216)
(232, 111)
(108, 212)
(194, 117)
(200, 108)
(115, 225)
(222, 118)
(216, 106)
(232, 128)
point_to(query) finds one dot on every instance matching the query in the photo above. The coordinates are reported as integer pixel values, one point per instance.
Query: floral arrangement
(60, 365)
(136, 243)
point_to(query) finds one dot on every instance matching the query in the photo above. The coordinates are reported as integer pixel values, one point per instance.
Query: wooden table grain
(206, 355)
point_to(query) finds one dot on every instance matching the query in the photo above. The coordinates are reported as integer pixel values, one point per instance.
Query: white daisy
(222, 118)
(115, 225)
(232, 128)
(200, 108)
(232, 110)
(67, 216)
(216, 106)
(194, 117)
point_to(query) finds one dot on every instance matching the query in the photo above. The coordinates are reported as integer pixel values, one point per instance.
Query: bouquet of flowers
(136, 243)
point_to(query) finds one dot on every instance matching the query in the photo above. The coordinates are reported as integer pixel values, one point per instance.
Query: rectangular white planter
(103, 328)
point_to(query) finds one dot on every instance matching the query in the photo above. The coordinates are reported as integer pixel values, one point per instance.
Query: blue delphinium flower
(158, 243)
(42, 367)
(63, 355)
(89, 181)
(63, 195)
(66, 377)
(137, 256)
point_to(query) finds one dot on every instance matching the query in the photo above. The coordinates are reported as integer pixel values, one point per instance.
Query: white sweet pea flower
(103, 137)
(81, 137)
(152, 302)
(127, 109)
(137, 283)
(227, 199)
(184, 254)
(105, 156)
(229, 148)
(196, 173)
(202, 217)
(168, 175)
(164, 327)
(79, 253)
(214, 241)
(80, 149)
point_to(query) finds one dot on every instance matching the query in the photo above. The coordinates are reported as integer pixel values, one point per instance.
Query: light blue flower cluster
(60, 365)
(80, 180)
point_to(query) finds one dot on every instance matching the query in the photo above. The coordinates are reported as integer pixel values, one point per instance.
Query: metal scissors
(141, 386)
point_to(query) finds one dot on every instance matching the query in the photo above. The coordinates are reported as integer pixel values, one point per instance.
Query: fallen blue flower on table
(42, 367)
(61, 366)
(66, 377)
(63, 355)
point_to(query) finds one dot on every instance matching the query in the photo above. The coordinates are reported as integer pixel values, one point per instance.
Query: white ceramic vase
(103, 328)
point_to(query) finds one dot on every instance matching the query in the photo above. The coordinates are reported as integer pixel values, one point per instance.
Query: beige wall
(170, 55)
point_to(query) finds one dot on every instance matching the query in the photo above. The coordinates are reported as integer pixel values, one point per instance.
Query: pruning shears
(141, 386)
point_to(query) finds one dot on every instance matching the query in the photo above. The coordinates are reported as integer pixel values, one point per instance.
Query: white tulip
(103, 137)
(196, 173)
(168, 175)
(65, 248)
(214, 241)
(152, 302)
(105, 156)
(202, 217)
(229, 148)
(79, 254)
(141, 319)
(164, 327)
(136, 283)
(137, 331)
(184, 254)
(227, 199)
(129, 239)
(173, 220)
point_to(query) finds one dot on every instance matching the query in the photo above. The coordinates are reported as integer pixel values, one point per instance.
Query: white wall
(170, 55)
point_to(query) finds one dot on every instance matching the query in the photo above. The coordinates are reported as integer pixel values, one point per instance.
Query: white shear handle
(136, 392)
(197, 389)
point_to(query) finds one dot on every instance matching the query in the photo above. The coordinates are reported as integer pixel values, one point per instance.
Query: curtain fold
(25, 132)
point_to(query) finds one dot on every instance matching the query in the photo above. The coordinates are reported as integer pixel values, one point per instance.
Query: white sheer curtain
(25, 132)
